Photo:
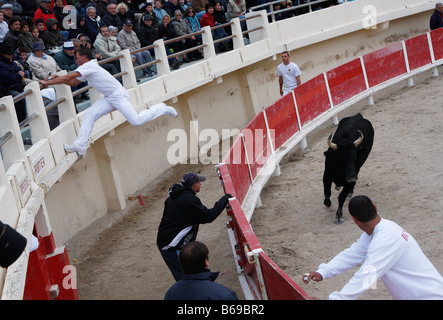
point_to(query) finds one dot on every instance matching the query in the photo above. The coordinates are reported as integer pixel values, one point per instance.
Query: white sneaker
(74, 148)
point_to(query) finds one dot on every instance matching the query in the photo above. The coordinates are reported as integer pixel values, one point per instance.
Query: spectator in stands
(436, 20)
(29, 8)
(124, 13)
(79, 28)
(7, 12)
(21, 59)
(171, 6)
(208, 19)
(115, 97)
(159, 11)
(99, 6)
(58, 13)
(147, 34)
(237, 9)
(11, 79)
(127, 39)
(199, 7)
(17, 9)
(43, 12)
(198, 282)
(35, 35)
(220, 16)
(26, 39)
(52, 37)
(182, 28)
(41, 26)
(193, 22)
(289, 74)
(107, 46)
(11, 38)
(42, 64)
(4, 28)
(149, 10)
(111, 18)
(183, 213)
(93, 23)
(166, 32)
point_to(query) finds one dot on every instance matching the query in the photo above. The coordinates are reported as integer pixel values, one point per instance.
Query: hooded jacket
(182, 214)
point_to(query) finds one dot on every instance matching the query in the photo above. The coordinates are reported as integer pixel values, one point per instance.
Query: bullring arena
(103, 210)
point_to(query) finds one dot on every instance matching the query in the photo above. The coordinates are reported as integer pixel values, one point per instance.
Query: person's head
(147, 20)
(192, 181)
(158, 4)
(34, 31)
(194, 257)
(1, 16)
(209, 8)
(122, 8)
(174, 2)
(59, 3)
(83, 55)
(104, 31)
(362, 209)
(91, 12)
(189, 12)
(113, 31)
(149, 8)
(7, 9)
(69, 48)
(15, 24)
(45, 4)
(178, 15)
(439, 7)
(23, 53)
(24, 27)
(166, 19)
(40, 23)
(127, 25)
(112, 8)
(285, 57)
(218, 6)
(6, 51)
(76, 43)
(38, 49)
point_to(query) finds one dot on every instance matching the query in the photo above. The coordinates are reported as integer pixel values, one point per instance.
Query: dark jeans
(171, 259)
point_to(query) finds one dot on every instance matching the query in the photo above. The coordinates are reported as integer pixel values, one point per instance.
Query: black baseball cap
(190, 178)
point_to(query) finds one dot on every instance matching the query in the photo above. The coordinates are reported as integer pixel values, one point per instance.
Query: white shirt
(289, 72)
(392, 255)
(100, 79)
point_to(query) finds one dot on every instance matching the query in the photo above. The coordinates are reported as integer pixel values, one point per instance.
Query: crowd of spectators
(37, 36)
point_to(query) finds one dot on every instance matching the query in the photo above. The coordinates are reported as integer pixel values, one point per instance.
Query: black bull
(347, 152)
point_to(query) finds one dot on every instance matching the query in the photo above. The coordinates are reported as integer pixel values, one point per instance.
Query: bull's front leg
(347, 189)
(327, 183)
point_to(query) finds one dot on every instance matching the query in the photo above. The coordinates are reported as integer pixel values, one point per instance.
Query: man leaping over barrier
(116, 97)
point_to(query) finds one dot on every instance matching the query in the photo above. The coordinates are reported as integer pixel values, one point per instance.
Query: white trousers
(103, 106)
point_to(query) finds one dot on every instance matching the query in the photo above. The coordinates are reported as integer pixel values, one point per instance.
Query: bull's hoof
(327, 202)
(339, 220)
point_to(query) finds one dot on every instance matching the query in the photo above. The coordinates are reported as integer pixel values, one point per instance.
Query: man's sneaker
(74, 148)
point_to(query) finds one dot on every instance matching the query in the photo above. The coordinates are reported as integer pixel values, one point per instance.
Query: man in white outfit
(115, 98)
(288, 74)
(386, 252)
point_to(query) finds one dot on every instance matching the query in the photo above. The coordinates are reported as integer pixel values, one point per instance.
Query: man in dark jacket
(182, 215)
(111, 18)
(437, 17)
(11, 80)
(198, 282)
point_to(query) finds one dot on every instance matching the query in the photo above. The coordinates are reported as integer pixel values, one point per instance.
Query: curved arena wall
(258, 149)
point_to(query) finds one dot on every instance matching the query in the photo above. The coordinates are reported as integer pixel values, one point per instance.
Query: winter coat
(112, 20)
(41, 67)
(184, 210)
(128, 40)
(52, 38)
(65, 61)
(42, 13)
(147, 35)
(200, 286)
(9, 77)
(107, 46)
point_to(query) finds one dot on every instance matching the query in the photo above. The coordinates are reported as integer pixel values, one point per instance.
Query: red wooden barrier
(312, 99)
(282, 118)
(418, 52)
(278, 285)
(346, 81)
(385, 64)
(437, 43)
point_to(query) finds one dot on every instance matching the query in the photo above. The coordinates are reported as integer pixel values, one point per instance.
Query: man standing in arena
(288, 74)
(182, 215)
(387, 252)
(116, 97)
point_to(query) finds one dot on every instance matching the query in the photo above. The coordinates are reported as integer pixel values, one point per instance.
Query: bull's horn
(359, 140)
(331, 144)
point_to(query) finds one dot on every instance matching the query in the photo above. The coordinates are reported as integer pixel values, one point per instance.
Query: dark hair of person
(85, 51)
(362, 208)
(193, 256)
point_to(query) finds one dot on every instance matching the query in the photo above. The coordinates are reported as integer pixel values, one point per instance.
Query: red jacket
(207, 20)
(39, 14)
